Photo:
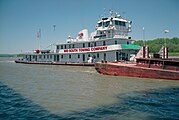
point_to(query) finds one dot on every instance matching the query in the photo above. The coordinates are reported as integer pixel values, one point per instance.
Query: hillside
(8, 55)
(156, 44)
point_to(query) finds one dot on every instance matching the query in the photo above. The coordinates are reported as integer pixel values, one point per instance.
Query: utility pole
(166, 31)
(143, 35)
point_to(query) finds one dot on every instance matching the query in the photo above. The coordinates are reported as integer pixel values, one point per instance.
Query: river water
(71, 92)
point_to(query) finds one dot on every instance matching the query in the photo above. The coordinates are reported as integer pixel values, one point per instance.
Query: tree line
(156, 44)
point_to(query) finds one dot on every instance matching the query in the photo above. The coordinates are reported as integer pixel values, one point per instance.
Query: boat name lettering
(86, 49)
(99, 48)
(71, 50)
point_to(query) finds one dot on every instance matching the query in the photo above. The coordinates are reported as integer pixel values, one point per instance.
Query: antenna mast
(38, 36)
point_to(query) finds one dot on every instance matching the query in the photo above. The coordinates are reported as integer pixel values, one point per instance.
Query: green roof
(130, 46)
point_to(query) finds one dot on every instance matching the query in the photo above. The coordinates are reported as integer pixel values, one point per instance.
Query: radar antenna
(111, 12)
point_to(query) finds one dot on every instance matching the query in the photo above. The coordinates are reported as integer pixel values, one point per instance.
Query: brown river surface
(73, 92)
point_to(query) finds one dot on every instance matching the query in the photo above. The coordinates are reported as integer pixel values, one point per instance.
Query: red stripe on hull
(55, 63)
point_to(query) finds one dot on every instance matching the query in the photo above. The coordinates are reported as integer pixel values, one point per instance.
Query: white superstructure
(109, 42)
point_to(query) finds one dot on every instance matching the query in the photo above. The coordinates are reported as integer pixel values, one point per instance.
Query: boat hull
(132, 70)
(55, 63)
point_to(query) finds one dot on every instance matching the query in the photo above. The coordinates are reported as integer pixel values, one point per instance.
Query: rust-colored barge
(143, 68)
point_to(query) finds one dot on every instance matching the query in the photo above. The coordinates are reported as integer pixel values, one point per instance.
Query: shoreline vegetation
(154, 46)
(11, 55)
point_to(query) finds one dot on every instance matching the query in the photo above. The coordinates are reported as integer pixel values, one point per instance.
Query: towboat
(109, 42)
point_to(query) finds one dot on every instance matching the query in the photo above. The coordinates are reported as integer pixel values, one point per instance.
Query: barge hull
(135, 71)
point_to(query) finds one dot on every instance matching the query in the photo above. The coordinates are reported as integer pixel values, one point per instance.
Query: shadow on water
(156, 104)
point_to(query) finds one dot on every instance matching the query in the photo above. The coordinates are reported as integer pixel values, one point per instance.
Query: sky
(20, 20)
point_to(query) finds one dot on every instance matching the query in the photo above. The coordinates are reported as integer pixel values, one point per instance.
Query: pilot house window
(100, 24)
(106, 24)
(117, 23)
(120, 23)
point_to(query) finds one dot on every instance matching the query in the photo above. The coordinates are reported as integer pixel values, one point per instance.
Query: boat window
(69, 46)
(47, 56)
(61, 46)
(44, 56)
(104, 56)
(106, 24)
(120, 23)
(104, 18)
(78, 55)
(65, 46)
(83, 44)
(123, 24)
(100, 24)
(73, 46)
(116, 22)
(61, 56)
(104, 43)
(98, 55)
(50, 56)
(83, 57)
(88, 44)
(54, 57)
(40, 56)
(115, 41)
(57, 46)
(94, 43)
(70, 56)
(58, 58)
